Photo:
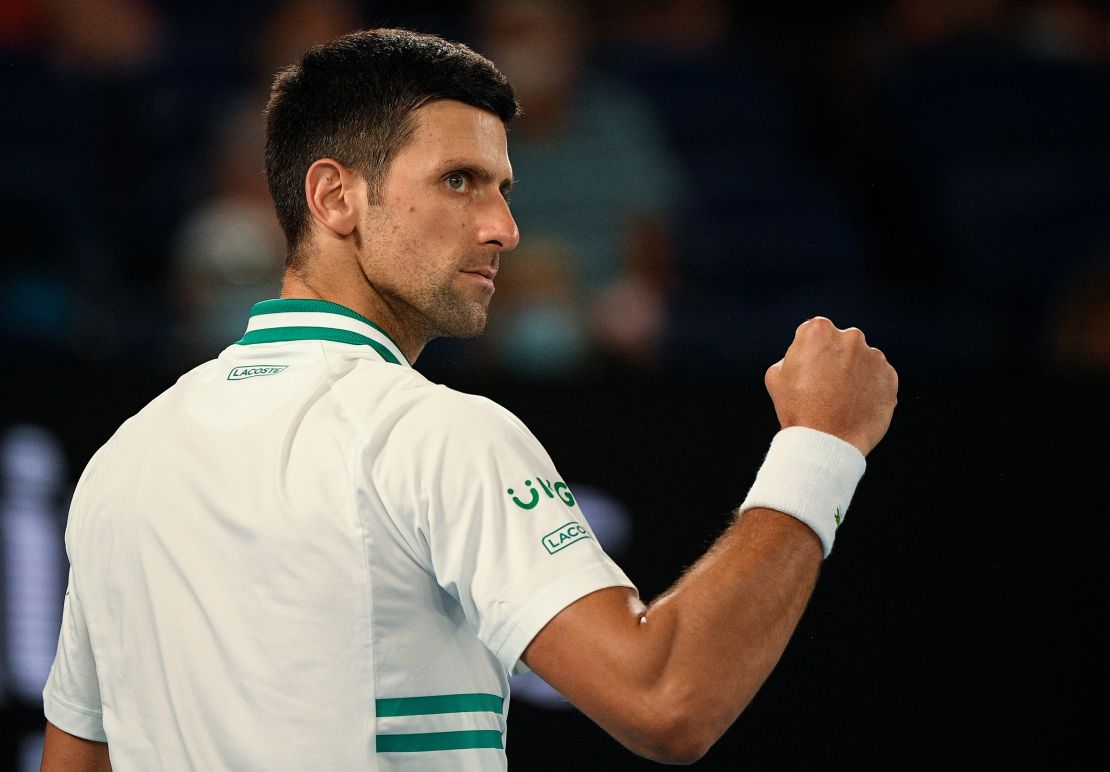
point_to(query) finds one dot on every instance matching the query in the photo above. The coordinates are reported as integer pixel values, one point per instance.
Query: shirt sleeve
(71, 699)
(494, 522)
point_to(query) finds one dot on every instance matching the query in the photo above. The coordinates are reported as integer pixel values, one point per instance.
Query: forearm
(716, 635)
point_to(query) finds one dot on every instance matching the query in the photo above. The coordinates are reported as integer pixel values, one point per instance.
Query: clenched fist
(831, 380)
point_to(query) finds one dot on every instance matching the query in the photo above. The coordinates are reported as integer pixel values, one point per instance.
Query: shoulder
(461, 417)
(414, 401)
(459, 439)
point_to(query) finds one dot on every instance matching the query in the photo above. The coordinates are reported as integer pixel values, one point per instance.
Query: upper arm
(667, 681)
(600, 656)
(497, 527)
(63, 752)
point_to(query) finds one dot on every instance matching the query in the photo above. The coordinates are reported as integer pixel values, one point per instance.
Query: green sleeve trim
(439, 703)
(282, 334)
(439, 741)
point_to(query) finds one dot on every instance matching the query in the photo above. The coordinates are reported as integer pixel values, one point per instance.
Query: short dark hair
(353, 100)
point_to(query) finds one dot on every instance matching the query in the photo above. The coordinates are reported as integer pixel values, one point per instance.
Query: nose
(498, 226)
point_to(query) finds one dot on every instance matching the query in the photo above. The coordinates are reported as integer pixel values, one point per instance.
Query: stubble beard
(428, 309)
(451, 316)
(440, 309)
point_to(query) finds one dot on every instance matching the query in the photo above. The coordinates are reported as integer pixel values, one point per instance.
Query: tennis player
(305, 556)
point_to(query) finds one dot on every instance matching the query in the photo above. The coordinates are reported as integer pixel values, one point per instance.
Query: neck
(362, 298)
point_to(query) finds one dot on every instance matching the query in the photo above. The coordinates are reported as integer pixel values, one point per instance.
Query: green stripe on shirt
(439, 741)
(282, 334)
(312, 306)
(439, 703)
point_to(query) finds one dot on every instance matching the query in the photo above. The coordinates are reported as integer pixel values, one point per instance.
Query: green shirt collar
(286, 319)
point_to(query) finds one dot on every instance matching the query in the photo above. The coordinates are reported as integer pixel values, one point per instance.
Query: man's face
(433, 243)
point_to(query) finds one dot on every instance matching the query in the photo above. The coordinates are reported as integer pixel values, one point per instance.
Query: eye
(457, 181)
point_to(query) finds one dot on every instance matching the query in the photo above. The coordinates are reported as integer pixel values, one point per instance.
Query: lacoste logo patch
(564, 536)
(239, 373)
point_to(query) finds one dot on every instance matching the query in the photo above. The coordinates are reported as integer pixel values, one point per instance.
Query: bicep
(588, 625)
(600, 656)
(63, 752)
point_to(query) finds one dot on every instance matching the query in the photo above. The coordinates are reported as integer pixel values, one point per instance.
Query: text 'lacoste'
(564, 536)
(239, 373)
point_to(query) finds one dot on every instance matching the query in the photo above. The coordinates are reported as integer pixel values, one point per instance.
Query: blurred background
(695, 179)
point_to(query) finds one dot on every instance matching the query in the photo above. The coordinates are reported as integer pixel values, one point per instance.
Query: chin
(449, 316)
(470, 332)
(465, 327)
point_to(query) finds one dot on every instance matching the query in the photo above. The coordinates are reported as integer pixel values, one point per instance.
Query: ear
(335, 195)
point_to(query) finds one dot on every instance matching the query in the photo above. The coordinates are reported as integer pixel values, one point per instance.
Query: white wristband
(809, 475)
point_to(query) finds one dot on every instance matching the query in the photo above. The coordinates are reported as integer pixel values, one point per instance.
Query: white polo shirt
(306, 556)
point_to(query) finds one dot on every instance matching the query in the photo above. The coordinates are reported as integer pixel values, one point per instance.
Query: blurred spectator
(765, 240)
(294, 26)
(49, 152)
(111, 52)
(975, 133)
(596, 179)
(104, 35)
(540, 324)
(107, 124)
(993, 169)
(229, 252)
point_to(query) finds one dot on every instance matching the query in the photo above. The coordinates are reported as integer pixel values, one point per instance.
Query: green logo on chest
(531, 495)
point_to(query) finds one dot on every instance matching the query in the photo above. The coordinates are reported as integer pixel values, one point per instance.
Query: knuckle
(855, 334)
(814, 325)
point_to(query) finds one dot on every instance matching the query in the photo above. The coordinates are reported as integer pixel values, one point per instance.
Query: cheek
(427, 235)
(439, 227)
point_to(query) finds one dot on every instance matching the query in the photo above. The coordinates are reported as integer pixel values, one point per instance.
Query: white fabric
(261, 564)
(811, 476)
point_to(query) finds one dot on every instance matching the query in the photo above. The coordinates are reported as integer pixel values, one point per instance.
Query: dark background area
(936, 173)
